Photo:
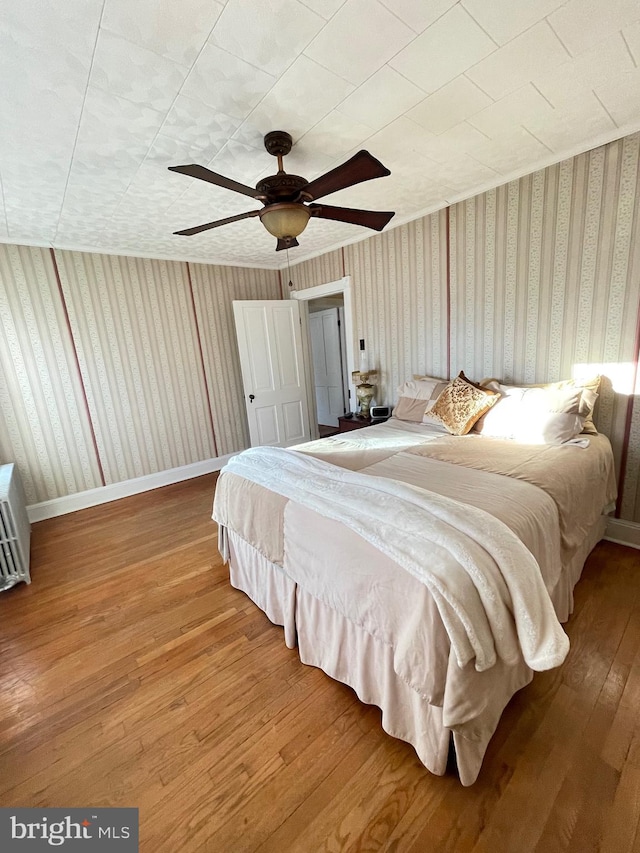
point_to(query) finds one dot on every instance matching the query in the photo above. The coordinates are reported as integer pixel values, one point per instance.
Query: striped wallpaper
(404, 322)
(134, 328)
(44, 423)
(115, 368)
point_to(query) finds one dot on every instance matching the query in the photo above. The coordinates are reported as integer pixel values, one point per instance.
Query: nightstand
(347, 424)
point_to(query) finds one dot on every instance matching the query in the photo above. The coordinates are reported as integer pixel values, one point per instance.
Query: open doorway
(313, 301)
(328, 352)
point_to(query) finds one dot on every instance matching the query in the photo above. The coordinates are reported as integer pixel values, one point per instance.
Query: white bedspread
(486, 584)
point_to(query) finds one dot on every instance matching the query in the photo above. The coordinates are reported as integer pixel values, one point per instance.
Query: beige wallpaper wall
(44, 423)
(134, 329)
(114, 367)
(400, 298)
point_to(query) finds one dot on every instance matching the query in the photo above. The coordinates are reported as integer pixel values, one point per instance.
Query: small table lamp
(365, 390)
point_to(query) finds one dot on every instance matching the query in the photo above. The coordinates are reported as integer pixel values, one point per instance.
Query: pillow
(588, 397)
(462, 403)
(417, 396)
(534, 414)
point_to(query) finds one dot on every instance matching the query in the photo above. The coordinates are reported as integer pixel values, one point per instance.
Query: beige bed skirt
(322, 635)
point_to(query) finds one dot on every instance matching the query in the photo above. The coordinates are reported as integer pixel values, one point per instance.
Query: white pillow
(588, 385)
(420, 388)
(533, 415)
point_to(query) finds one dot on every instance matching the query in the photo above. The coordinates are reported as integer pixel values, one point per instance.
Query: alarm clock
(380, 413)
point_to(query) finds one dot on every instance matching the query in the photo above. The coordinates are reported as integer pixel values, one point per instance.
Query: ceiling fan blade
(375, 219)
(203, 174)
(361, 167)
(198, 228)
(286, 244)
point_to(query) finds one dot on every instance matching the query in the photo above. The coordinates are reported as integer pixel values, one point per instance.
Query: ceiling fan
(286, 198)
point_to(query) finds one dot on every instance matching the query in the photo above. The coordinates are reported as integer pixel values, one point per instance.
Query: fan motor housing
(281, 187)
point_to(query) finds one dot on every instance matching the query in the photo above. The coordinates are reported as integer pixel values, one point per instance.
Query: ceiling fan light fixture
(285, 197)
(287, 219)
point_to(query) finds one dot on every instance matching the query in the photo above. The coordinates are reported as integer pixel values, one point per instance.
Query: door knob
(252, 397)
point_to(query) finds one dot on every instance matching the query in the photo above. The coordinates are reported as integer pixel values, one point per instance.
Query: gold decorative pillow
(462, 403)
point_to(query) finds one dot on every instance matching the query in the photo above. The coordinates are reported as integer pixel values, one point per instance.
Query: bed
(428, 571)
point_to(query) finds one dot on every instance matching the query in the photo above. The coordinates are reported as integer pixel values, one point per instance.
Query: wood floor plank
(622, 821)
(133, 674)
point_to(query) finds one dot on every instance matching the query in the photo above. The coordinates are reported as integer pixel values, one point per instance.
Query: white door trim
(331, 288)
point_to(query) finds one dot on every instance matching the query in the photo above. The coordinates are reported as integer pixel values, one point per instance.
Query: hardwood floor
(132, 674)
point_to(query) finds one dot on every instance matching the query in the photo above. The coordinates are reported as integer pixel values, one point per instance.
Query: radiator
(15, 530)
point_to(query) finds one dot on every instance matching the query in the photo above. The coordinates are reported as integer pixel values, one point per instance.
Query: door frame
(331, 288)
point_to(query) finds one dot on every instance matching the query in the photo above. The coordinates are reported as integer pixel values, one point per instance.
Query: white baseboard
(623, 532)
(115, 491)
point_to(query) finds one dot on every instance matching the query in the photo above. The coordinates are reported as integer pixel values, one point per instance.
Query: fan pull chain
(289, 269)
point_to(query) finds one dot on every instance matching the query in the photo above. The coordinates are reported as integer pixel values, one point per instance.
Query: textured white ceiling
(98, 97)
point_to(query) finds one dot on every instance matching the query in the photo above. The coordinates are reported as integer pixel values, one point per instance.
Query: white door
(324, 327)
(271, 360)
